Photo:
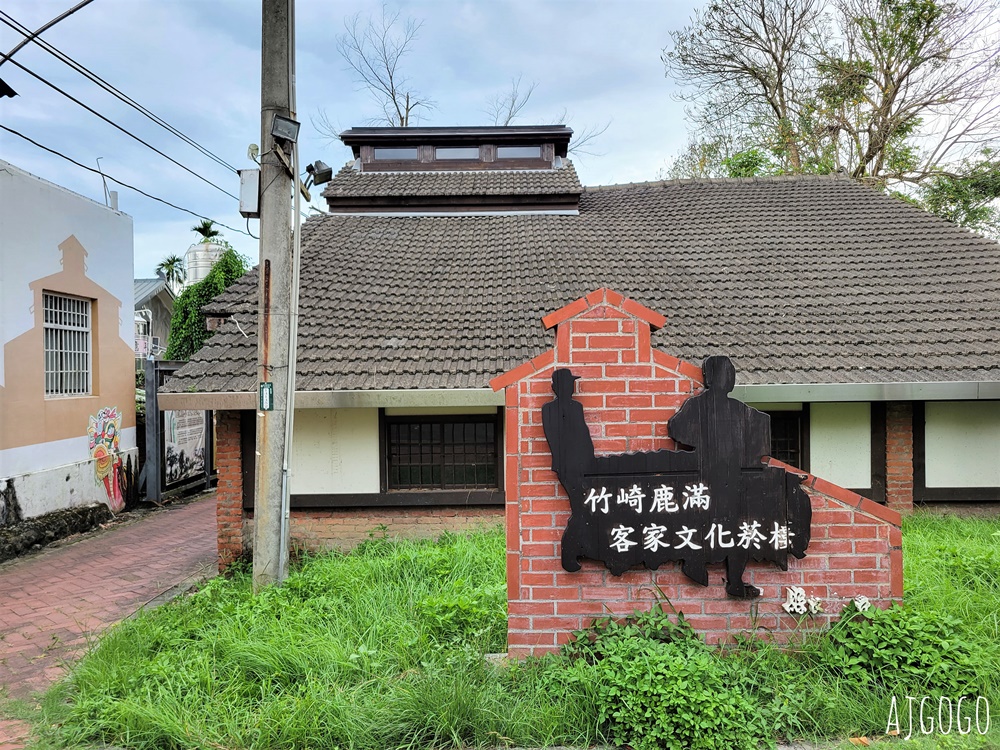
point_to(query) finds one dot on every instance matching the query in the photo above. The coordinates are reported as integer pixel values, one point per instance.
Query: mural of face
(103, 431)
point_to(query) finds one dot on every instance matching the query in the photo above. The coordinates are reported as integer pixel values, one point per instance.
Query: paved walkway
(52, 602)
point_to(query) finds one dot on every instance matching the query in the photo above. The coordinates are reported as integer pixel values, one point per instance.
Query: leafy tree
(187, 326)
(206, 228)
(173, 270)
(896, 93)
(967, 198)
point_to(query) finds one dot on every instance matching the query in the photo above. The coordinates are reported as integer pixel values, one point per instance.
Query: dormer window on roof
(480, 148)
(394, 154)
(456, 170)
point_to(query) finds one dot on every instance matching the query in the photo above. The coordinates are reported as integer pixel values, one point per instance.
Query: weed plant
(380, 648)
(384, 648)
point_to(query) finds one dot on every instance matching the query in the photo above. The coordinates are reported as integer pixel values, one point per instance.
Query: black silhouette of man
(731, 438)
(572, 456)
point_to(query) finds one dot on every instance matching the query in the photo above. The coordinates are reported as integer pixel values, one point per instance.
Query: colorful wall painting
(104, 430)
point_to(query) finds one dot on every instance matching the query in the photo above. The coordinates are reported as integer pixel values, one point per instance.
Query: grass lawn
(383, 648)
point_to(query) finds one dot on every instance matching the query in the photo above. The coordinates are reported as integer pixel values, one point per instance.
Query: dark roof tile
(350, 183)
(808, 280)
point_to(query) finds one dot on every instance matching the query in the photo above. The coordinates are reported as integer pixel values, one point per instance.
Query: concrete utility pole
(270, 561)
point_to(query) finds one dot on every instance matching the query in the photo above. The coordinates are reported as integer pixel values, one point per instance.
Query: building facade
(67, 397)
(866, 327)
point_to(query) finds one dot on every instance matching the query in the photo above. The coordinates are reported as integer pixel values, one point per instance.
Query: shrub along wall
(628, 392)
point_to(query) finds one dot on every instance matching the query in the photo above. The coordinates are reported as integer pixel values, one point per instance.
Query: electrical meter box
(250, 193)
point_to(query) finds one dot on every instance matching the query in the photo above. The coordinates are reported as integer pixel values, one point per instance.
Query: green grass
(383, 648)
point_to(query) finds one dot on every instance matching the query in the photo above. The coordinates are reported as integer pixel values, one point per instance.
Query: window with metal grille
(787, 441)
(67, 345)
(441, 452)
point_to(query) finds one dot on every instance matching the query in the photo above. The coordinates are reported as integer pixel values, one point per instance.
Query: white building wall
(335, 451)
(962, 443)
(840, 443)
(35, 217)
(69, 484)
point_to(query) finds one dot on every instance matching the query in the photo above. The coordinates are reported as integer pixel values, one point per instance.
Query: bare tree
(374, 49)
(505, 106)
(584, 139)
(750, 60)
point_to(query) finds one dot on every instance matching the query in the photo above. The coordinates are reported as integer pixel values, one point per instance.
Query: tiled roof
(349, 183)
(799, 280)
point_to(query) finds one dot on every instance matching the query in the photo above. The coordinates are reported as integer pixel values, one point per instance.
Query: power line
(93, 77)
(30, 35)
(119, 182)
(119, 127)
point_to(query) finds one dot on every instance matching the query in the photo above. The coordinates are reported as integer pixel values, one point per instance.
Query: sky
(196, 65)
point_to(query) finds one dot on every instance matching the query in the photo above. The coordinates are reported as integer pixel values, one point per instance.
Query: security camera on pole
(275, 321)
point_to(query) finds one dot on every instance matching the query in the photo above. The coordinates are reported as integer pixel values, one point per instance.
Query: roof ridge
(835, 177)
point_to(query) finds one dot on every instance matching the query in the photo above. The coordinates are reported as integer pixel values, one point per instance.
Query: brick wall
(899, 455)
(317, 530)
(343, 529)
(229, 495)
(628, 392)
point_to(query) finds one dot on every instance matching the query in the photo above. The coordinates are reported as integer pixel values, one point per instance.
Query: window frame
(802, 417)
(396, 153)
(439, 157)
(518, 149)
(59, 375)
(385, 423)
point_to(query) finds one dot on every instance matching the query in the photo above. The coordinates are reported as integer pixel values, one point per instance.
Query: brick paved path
(52, 602)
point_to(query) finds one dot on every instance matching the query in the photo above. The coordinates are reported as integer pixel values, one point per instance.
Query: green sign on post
(266, 396)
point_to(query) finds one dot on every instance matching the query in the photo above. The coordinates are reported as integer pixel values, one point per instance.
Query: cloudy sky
(196, 64)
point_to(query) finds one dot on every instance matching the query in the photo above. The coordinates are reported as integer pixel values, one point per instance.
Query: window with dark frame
(442, 453)
(519, 152)
(471, 152)
(395, 153)
(786, 437)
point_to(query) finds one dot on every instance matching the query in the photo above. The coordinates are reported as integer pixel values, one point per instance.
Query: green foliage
(206, 229)
(460, 612)
(659, 686)
(172, 268)
(750, 163)
(967, 198)
(187, 326)
(672, 695)
(384, 647)
(922, 650)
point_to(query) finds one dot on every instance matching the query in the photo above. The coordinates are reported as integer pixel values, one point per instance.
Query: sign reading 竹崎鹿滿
(714, 502)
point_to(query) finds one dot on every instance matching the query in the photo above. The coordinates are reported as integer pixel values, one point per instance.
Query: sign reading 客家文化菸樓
(715, 502)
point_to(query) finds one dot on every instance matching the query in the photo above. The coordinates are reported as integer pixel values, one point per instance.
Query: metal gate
(179, 444)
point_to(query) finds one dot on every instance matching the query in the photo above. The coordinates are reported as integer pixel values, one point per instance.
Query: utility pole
(270, 561)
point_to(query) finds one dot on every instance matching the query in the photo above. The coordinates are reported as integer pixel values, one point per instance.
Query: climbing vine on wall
(187, 326)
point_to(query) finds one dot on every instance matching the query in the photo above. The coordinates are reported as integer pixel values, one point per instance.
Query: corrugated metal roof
(146, 289)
